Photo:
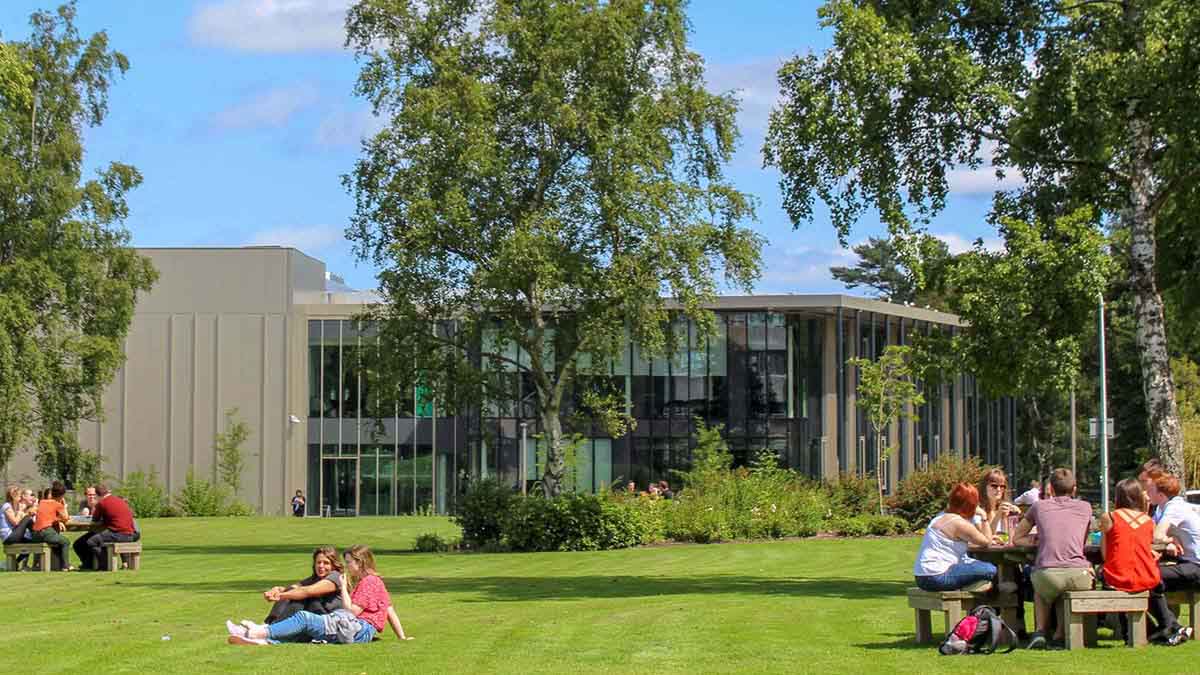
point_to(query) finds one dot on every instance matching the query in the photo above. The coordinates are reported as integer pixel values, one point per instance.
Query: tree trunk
(880, 451)
(552, 477)
(1166, 432)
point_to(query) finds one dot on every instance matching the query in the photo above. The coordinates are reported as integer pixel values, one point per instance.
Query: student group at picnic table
(1148, 543)
(26, 517)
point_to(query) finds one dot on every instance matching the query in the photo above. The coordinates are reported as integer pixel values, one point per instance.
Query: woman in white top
(942, 563)
(12, 514)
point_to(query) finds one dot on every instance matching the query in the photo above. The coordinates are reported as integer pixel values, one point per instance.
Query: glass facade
(762, 375)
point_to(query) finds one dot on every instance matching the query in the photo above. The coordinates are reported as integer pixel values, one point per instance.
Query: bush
(850, 495)
(482, 511)
(240, 509)
(921, 495)
(432, 543)
(868, 524)
(573, 522)
(199, 497)
(146, 496)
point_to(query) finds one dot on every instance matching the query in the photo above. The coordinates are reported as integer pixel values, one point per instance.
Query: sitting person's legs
(84, 551)
(1175, 577)
(1049, 584)
(299, 627)
(59, 547)
(98, 540)
(958, 576)
(284, 609)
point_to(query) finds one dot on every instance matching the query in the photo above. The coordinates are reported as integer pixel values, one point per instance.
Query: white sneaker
(241, 640)
(235, 629)
(250, 625)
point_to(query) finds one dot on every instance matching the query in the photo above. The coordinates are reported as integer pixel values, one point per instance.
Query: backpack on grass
(980, 632)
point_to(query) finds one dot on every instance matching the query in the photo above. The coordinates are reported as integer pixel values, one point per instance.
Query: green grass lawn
(807, 606)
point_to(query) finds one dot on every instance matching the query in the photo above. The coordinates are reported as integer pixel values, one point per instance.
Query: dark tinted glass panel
(757, 323)
(331, 377)
(642, 395)
(387, 497)
(338, 491)
(368, 467)
(776, 331)
(350, 365)
(312, 501)
(314, 380)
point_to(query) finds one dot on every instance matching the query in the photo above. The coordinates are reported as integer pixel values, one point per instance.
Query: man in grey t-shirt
(1062, 523)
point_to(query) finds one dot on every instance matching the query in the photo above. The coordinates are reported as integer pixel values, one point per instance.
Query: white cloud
(269, 109)
(803, 269)
(307, 238)
(960, 244)
(342, 128)
(275, 26)
(982, 181)
(755, 85)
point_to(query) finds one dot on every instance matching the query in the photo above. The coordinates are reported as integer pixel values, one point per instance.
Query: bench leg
(1090, 634)
(109, 559)
(11, 563)
(45, 562)
(953, 613)
(924, 627)
(1136, 636)
(1074, 632)
(135, 561)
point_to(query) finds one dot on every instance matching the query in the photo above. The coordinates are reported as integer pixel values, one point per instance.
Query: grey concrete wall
(216, 332)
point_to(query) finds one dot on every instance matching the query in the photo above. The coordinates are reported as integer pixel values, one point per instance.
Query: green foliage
(199, 498)
(881, 268)
(431, 542)
(923, 493)
(68, 278)
(145, 494)
(239, 509)
(544, 154)
(231, 460)
(482, 510)
(887, 391)
(571, 522)
(1084, 101)
(851, 494)
(711, 458)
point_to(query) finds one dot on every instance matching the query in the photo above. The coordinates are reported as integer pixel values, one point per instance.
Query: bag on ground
(980, 632)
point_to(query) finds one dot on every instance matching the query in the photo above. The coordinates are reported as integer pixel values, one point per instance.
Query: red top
(1129, 563)
(49, 511)
(113, 512)
(372, 596)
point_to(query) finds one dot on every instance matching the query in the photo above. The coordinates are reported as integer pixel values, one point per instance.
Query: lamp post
(524, 470)
(1102, 423)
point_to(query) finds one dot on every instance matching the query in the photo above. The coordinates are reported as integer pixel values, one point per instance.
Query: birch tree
(1089, 102)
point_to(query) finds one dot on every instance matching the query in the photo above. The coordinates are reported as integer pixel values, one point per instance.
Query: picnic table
(79, 524)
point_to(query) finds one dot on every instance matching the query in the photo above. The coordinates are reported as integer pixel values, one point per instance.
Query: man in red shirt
(112, 521)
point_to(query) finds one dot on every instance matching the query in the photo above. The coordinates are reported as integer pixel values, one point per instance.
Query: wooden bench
(116, 552)
(1177, 599)
(1081, 607)
(953, 605)
(40, 550)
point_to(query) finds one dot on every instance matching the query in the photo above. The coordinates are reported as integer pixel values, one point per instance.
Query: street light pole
(524, 471)
(1103, 421)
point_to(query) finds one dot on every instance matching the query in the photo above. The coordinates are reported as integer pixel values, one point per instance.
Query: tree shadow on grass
(531, 589)
(220, 549)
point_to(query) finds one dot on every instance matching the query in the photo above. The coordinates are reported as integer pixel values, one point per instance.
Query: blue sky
(241, 117)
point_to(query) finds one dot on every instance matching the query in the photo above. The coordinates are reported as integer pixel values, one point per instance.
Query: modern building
(267, 331)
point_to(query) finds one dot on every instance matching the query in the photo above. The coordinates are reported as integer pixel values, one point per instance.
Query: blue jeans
(959, 575)
(306, 627)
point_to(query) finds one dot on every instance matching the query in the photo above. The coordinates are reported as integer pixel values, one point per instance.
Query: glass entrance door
(339, 489)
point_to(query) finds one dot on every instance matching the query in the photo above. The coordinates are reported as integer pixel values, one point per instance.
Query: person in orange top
(1126, 536)
(48, 525)
(1125, 539)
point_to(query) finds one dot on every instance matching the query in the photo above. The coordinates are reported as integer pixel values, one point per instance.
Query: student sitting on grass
(318, 594)
(1062, 523)
(363, 615)
(942, 563)
(49, 524)
(1178, 525)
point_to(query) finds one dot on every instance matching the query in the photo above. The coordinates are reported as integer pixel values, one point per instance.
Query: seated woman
(318, 594)
(11, 514)
(363, 614)
(1126, 535)
(991, 517)
(942, 563)
(49, 524)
